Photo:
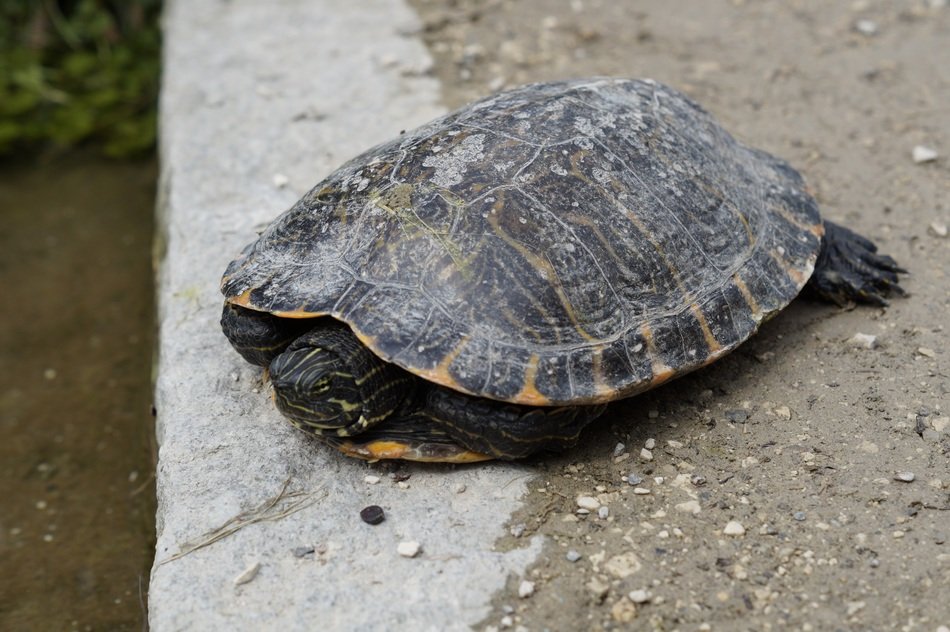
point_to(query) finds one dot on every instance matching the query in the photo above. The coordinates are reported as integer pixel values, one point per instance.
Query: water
(76, 443)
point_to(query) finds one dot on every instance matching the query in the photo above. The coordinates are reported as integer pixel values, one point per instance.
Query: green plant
(79, 71)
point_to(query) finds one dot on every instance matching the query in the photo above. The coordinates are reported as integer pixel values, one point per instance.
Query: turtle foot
(849, 270)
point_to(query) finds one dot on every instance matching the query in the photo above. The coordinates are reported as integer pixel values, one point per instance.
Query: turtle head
(328, 383)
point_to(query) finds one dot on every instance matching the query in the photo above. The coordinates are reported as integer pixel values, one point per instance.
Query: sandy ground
(799, 437)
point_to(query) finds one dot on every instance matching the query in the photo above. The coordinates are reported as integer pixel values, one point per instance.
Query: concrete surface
(257, 94)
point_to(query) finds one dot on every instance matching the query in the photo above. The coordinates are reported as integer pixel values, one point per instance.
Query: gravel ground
(801, 483)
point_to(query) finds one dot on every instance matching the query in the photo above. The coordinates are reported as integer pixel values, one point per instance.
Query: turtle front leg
(849, 270)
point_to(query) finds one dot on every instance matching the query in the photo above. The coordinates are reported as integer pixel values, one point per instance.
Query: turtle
(483, 286)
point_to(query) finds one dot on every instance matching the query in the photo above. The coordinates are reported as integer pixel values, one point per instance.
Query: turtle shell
(559, 243)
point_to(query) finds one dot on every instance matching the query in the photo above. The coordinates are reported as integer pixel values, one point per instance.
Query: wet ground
(803, 482)
(76, 339)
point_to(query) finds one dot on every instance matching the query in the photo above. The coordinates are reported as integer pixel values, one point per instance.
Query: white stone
(733, 527)
(623, 565)
(924, 154)
(409, 548)
(371, 479)
(646, 455)
(863, 341)
(690, 506)
(588, 502)
(639, 596)
(525, 589)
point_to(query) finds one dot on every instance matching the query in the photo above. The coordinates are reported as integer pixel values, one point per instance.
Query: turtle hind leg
(849, 270)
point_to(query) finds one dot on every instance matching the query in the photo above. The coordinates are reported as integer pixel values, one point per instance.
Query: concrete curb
(256, 93)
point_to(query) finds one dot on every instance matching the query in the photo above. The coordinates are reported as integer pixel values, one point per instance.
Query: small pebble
(49, 374)
(799, 515)
(768, 529)
(280, 180)
(650, 444)
(248, 574)
(370, 479)
(517, 530)
(737, 415)
(588, 502)
(690, 506)
(641, 491)
(783, 412)
(906, 477)
(733, 528)
(646, 455)
(526, 589)
(373, 514)
(866, 27)
(639, 596)
(653, 414)
(572, 556)
(938, 229)
(922, 154)
(409, 549)
(633, 479)
(507, 621)
(926, 352)
(623, 611)
(597, 588)
(618, 449)
(402, 485)
(460, 488)
(698, 480)
(863, 341)
(603, 512)
(301, 551)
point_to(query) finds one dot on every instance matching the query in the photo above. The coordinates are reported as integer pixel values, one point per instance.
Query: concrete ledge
(256, 92)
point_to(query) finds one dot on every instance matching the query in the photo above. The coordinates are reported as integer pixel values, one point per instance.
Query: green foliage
(79, 71)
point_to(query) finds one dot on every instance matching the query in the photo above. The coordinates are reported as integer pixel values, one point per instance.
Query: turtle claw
(849, 270)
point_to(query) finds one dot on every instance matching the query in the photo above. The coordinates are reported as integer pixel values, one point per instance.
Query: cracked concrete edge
(255, 93)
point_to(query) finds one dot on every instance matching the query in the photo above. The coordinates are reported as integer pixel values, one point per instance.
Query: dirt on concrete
(804, 481)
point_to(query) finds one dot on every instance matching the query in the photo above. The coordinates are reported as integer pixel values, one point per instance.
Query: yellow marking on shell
(793, 273)
(661, 372)
(440, 374)
(397, 201)
(602, 391)
(377, 450)
(542, 265)
(748, 228)
(711, 341)
(529, 393)
(244, 300)
(747, 296)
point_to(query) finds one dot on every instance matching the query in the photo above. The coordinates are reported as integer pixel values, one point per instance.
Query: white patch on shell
(450, 167)
(559, 170)
(601, 176)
